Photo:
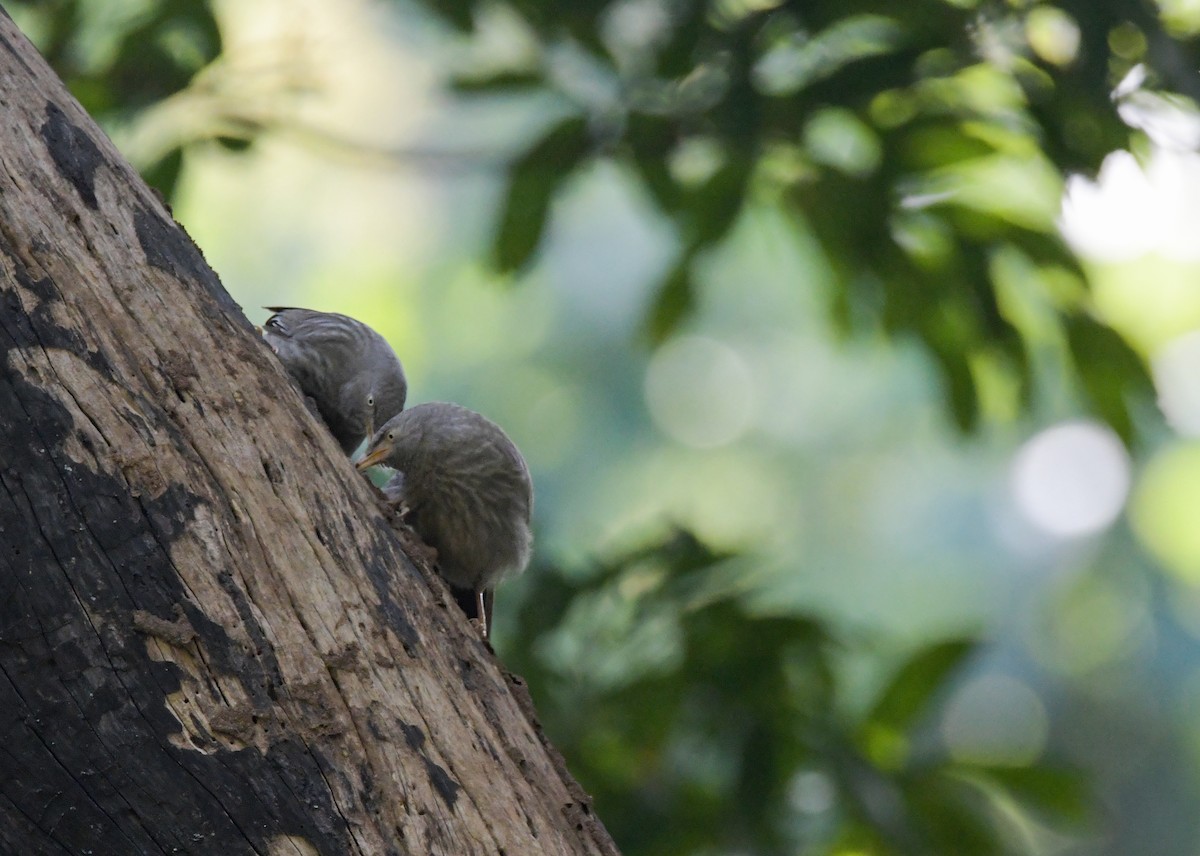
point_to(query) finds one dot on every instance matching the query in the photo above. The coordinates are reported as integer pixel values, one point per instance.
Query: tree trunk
(211, 637)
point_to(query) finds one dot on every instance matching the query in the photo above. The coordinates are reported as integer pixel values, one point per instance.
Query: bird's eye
(391, 436)
(370, 401)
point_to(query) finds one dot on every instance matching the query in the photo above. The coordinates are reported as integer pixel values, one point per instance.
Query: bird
(465, 489)
(348, 370)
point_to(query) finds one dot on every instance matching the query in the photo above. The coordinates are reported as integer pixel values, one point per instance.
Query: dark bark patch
(87, 732)
(75, 153)
(169, 249)
(413, 736)
(37, 329)
(382, 575)
(445, 786)
(258, 666)
(376, 732)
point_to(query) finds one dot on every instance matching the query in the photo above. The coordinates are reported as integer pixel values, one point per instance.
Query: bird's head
(373, 397)
(380, 447)
(385, 397)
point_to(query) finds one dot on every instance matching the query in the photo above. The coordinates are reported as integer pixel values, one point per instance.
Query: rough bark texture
(211, 638)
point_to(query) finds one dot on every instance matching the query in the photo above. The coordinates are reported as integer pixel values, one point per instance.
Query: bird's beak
(374, 456)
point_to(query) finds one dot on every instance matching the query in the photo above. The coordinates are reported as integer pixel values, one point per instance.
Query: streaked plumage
(467, 491)
(349, 371)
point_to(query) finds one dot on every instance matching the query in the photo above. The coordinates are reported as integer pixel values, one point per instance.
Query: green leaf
(499, 83)
(1108, 369)
(673, 302)
(163, 176)
(650, 140)
(955, 816)
(1057, 791)
(714, 205)
(234, 144)
(914, 685)
(535, 178)
(457, 13)
(959, 386)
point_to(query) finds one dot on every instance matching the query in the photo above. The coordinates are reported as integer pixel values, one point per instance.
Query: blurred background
(853, 346)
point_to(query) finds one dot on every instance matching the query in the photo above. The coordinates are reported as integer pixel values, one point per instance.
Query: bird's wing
(316, 329)
(277, 323)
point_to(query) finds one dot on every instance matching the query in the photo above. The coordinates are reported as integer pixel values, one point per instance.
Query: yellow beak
(374, 457)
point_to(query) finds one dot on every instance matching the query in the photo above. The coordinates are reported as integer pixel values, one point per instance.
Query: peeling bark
(211, 637)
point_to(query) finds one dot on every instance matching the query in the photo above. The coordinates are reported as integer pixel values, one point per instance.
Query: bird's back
(469, 489)
(320, 349)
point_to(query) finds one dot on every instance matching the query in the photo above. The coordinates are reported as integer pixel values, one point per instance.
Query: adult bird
(349, 371)
(465, 490)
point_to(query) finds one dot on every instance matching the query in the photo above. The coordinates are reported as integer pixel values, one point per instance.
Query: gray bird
(349, 371)
(467, 493)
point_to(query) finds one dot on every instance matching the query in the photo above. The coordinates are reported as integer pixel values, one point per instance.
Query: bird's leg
(481, 611)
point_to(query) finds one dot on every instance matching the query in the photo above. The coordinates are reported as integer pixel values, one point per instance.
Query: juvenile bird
(347, 369)
(467, 492)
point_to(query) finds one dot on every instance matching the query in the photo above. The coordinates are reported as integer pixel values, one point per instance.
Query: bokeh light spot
(1177, 378)
(1071, 480)
(700, 392)
(1053, 34)
(1164, 509)
(1095, 621)
(996, 719)
(811, 792)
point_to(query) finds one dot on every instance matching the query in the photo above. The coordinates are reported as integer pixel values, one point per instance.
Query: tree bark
(211, 637)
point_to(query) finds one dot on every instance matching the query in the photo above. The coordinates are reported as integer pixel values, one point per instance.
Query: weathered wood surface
(211, 640)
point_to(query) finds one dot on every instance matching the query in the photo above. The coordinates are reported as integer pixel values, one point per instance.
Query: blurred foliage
(120, 58)
(919, 143)
(924, 144)
(735, 736)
